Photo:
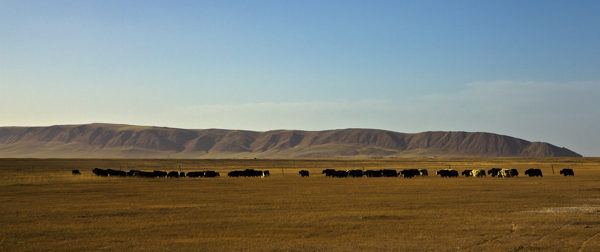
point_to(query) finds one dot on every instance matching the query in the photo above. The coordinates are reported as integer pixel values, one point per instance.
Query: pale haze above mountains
(128, 141)
(526, 69)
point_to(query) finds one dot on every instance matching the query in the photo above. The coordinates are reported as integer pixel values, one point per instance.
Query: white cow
(477, 173)
(505, 173)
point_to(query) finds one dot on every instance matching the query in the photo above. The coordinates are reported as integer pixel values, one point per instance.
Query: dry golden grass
(44, 207)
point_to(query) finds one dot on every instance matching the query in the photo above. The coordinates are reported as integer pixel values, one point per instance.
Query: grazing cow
(160, 174)
(248, 173)
(148, 174)
(112, 172)
(132, 173)
(266, 173)
(355, 173)
(76, 172)
(303, 173)
(252, 173)
(447, 173)
(567, 172)
(477, 173)
(233, 174)
(423, 172)
(144, 174)
(514, 172)
(466, 173)
(373, 174)
(494, 171)
(211, 174)
(195, 174)
(341, 174)
(410, 173)
(100, 172)
(414, 172)
(328, 172)
(108, 172)
(505, 173)
(182, 174)
(533, 172)
(453, 173)
(389, 173)
(173, 174)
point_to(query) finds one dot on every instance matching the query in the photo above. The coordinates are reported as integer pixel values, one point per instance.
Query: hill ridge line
(132, 141)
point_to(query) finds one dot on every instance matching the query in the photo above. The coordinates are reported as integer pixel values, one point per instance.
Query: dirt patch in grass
(565, 210)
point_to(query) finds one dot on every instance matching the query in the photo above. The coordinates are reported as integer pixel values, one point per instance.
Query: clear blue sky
(528, 69)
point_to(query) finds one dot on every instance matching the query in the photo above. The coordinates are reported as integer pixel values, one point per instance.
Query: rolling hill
(128, 141)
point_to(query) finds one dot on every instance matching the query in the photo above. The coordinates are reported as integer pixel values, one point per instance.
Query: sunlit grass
(48, 208)
(15, 178)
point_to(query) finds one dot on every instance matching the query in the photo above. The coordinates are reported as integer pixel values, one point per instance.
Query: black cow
(173, 174)
(410, 173)
(442, 173)
(355, 173)
(108, 172)
(373, 174)
(452, 173)
(160, 174)
(182, 174)
(303, 173)
(144, 174)
(195, 174)
(112, 172)
(266, 173)
(76, 172)
(389, 173)
(234, 174)
(132, 173)
(466, 173)
(252, 173)
(211, 174)
(449, 173)
(341, 174)
(328, 172)
(533, 172)
(514, 172)
(249, 173)
(100, 172)
(567, 172)
(494, 171)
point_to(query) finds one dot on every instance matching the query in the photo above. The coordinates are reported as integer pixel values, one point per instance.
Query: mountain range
(129, 141)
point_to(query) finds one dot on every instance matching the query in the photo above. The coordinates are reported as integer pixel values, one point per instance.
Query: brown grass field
(43, 207)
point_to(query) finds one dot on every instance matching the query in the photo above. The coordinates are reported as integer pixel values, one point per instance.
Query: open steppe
(45, 208)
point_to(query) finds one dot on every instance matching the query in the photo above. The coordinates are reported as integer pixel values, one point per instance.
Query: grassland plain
(45, 208)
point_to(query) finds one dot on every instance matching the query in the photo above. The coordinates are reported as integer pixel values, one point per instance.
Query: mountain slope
(128, 141)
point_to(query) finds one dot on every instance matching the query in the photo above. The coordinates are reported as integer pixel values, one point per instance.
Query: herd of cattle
(406, 173)
(446, 173)
(249, 173)
(153, 174)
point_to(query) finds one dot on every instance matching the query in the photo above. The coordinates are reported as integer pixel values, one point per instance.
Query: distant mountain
(127, 141)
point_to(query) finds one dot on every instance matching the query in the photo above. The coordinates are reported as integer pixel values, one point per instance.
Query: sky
(526, 69)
